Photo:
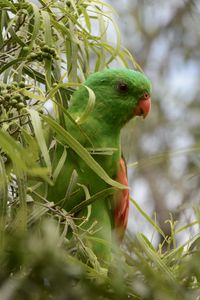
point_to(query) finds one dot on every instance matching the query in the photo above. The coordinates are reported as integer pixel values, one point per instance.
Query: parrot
(120, 94)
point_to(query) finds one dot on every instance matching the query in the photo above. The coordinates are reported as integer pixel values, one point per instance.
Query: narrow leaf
(147, 217)
(60, 165)
(153, 256)
(89, 108)
(13, 150)
(37, 125)
(3, 195)
(35, 27)
(98, 196)
(21, 217)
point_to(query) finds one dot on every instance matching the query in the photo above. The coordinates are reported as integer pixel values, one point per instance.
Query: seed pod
(7, 97)
(2, 87)
(26, 97)
(14, 84)
(13, 102)
(45, 48)
(18, 97)
(10, 114)
(23, 110)
(3, 93)
(5, 104)
(26, 48)
(40, 58)
(41, 111)
(46, 55)
(9, 87)
(32, 56)
(20, 105)
(52, 51)
(22, 84)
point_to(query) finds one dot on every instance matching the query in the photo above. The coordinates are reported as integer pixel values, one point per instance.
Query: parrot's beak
(143, 107)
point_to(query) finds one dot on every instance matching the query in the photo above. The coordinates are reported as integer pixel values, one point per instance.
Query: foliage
(47, 49)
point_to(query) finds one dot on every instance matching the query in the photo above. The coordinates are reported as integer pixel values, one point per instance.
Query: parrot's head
(120, 94)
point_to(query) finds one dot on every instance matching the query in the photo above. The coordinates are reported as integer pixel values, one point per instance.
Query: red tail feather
(121, 202)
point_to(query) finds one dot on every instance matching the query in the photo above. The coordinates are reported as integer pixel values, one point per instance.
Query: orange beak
(143, 107)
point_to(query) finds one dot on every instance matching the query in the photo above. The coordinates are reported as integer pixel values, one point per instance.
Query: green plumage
(117, 92)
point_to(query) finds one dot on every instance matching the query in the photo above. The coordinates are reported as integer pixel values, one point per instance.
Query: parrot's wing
(121, 202)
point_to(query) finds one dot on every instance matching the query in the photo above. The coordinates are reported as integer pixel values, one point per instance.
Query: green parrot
(120, 95)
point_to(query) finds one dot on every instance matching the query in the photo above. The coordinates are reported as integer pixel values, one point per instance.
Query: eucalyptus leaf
(39, 133)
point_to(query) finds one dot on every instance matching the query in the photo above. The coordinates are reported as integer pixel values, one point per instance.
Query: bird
(100, 108)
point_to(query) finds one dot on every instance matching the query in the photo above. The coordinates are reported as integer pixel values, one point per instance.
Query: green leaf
(31, 143)
(47, 28)
(86, 18)
(15, 37)
(35, 26)
(34, 74)
(35, 96)
(71, 185)
(8, 4)
(66, 86)
(101, 151)
(154, 257)
(22, 158)
(60, 165)
(13, 150)
(89, 108)
(3, 195)
(10, 64)
(37, 125)
(147, 217)
(48, 41)
(21, 217)
(98, 196)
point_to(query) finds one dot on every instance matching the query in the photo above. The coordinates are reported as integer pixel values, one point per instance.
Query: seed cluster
(44, 52)
(11, 97)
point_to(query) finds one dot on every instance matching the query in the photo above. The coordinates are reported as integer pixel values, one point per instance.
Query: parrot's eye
(145, 96)
(122, 87)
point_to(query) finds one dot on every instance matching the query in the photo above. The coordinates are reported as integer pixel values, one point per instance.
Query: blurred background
(163, 151)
